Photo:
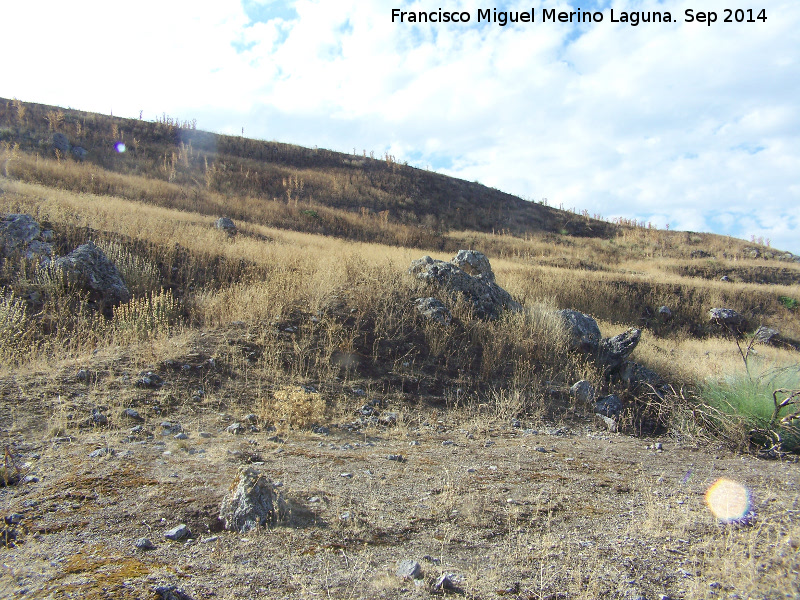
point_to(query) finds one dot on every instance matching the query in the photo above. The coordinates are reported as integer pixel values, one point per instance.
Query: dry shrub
(146, 317)
(16, 329)
(296, 407)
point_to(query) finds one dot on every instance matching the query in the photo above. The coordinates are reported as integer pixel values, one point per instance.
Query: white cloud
(692, 124)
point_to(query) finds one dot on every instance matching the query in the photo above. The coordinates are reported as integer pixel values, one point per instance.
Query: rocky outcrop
(585, 336)
(469, 276)
(253, 502)
(23, 235)
(90, 269)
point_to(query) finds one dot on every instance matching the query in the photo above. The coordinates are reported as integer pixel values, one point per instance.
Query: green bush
(790, 303)
(747, 404)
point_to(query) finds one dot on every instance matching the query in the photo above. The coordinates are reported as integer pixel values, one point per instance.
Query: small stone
(345, 516)
(132, 414)
(100, 452)
(516, 424)
(413, 443)
(205, 434)
(659, 446)
(149, 380)
(171, 427)
(251, 418)
(320, 429)
(409, 569)
(209, 540)
(176, 534)
(396, 457)
(181, 436)
(144, 544)
(445, 582)
(98, 419)
(346, 475)
(13, 519)
(447, 443)
(314, 500)
(235, 429)
(83, 375)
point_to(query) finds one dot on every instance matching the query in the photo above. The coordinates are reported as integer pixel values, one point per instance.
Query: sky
(691, 125)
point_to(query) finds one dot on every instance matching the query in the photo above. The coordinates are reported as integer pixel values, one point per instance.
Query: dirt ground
(527, 510)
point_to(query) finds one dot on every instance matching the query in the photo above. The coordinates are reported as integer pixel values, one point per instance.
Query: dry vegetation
(312, 292)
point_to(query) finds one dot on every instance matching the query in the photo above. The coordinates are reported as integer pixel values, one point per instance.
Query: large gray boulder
(21, 234)
(584, 334)
(253, 502)
(583, 330)
(89, 267)
(468, 276)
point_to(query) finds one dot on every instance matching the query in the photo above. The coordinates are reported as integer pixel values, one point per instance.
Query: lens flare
(729, 501)
(119, 147)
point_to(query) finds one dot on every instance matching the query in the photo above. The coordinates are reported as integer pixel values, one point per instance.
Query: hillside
(397, 418)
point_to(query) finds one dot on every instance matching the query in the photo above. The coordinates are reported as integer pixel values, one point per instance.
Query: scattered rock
(700, 254)
(446, 582)
(176, 534)
(253, 502)
(396, 457)
(467, 276)
(433, 310)
(236, 429)
(171, 427)
(765, 335)
(132, 415)
(584, 332)
(585, 336)
(144, 544)
(98, 419)
(21, 234)
(729, 318)
(181, 436)
(409, 569)
(583, 391)
(149, 380)
(100, 452)
(664, 312)
(226, 225)
(171, 592)
(89, 268)
(610, 406)
(13, 519)
(613, 351)
(724, 278)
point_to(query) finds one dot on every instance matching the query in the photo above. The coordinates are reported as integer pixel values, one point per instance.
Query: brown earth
(550, 509)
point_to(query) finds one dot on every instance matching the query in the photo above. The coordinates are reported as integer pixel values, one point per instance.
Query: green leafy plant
(788, 302)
